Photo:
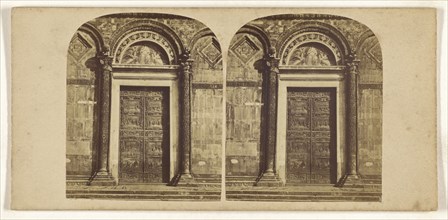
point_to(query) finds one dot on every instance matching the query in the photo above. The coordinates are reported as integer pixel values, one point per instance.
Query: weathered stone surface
(207, 108)
(370, 131)
(142, 192)
(243, 105)
(244, 81)
(303, 193)
(83, 81)
(80, 104)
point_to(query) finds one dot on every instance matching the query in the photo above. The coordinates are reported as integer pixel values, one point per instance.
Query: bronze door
(144, 135)
(311, 135)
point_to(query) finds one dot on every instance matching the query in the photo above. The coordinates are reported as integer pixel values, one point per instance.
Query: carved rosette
(185, 76)
(272, 64)
(352, 73)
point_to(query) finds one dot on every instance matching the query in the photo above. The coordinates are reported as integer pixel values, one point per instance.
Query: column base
(102, 179)
(349, 180)
(183, 180)
(269, 179)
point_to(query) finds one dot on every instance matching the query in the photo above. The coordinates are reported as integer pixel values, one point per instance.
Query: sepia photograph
(144, 109)
(224, 109)
(304, 110)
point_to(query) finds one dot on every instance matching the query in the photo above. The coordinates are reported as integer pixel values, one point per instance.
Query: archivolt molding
(363, 37)
(313, 31)
(259, 34)
(310, 37)
(140, 36)
(369, 45)
(200, 34)
(147, 30)
(95, 35)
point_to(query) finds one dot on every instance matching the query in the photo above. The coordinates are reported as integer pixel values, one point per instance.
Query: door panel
(311, 156)
(144, 135)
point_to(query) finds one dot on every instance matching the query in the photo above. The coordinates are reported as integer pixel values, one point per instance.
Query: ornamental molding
(311, 37)
(141, 36)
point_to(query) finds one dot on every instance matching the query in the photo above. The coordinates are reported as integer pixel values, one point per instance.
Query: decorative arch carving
(93, 32)
(313, 32)
(254, 43)
(200, 34)
(210, 52)
(259, 34)
(144, 47)
(369, 45)
(147, 31)
(311, 49)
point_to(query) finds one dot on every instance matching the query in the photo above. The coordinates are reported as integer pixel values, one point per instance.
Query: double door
(144, 135)
(311, 136)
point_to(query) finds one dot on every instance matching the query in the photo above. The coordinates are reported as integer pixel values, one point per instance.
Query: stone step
(77, 177)
(141, 192)
(364, 186)
(300, 198)
(144, 197)
(241, 178)
(371, 181)
(77, 182)
(208, 180)
(314, 193)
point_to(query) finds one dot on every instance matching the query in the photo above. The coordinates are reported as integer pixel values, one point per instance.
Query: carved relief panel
(311, 55)
(145, 53)
(311, 49)
(144, 48)
(144, 135)
(310, 153)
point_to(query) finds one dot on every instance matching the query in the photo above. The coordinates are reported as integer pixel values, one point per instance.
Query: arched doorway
(313, 107)
(144, 108)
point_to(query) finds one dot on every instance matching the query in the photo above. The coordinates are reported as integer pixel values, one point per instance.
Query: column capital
(105, 60)
(185, 61)
(352, 63)
(271, 61)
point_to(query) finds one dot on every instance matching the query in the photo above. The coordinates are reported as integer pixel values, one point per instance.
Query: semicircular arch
(313, 32)
(146, 31)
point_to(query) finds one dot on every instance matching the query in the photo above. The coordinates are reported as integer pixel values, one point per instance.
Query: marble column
(269, 177)
(352, 176)
(185, 74)
(102, 175)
